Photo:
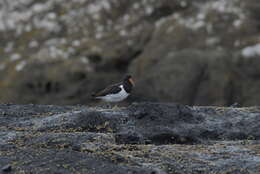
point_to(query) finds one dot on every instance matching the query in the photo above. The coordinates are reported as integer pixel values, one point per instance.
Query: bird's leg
(115, 107)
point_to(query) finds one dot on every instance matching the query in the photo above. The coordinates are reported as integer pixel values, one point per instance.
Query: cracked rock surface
(152, 138)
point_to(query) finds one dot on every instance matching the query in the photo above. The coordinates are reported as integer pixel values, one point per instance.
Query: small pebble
(235, 105)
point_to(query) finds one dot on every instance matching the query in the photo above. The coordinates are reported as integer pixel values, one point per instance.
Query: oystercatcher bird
(117, 92)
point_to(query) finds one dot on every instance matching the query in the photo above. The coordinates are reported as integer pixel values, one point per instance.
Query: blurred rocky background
(201, 52)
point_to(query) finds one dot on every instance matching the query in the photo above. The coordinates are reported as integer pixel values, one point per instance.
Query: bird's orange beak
(132, 81)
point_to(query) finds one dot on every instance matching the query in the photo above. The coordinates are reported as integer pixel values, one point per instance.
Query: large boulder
(187, 76)
(201, 56)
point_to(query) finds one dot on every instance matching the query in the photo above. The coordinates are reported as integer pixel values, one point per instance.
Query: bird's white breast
(116, 97)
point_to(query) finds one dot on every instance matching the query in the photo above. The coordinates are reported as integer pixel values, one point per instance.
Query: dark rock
(58, 83)
(7, 168)
(235, 105)
(188, 76)
(195, 61)
(128, 138)
(142, 138)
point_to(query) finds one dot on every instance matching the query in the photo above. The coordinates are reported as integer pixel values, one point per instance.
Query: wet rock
(141, 138)
(7, 168)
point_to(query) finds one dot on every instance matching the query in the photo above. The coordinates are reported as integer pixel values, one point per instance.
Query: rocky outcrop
(57, 52)
(189, 76)
(152, 138)
(199, 56)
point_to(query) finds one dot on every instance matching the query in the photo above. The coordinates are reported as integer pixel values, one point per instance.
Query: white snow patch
(199, 21)
(126, 18)
(84, 60)
(38, 8)
(17, 20)
(160, 22)
(148, 10)
(198, 24)
(15, 57)
(251, 51)
(98, 35)
(105, 4)
(46, 24)
(237, 23)
(123, 33)
(28, 28)
(76, 43)
(20, 65)
(57, 53)
(201, 16)
(191, 23)
(94, 8)
(33, 44)
(51, 16)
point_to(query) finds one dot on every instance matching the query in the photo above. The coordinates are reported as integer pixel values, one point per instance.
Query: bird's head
(128, 78)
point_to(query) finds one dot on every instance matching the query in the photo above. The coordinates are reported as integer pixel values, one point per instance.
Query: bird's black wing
(113, 89)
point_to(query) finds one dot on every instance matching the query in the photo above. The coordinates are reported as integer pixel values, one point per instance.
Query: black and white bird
(117, 92)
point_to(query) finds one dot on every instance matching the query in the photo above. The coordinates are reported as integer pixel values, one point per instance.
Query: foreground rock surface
(150, 138)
